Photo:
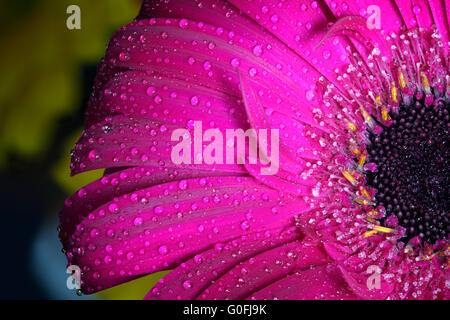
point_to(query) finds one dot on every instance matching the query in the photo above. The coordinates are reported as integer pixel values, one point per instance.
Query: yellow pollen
(425, 82)
(373, 213)
(371, 219)
(362, 160)
(426, 258)
(401, 80)
(349, 177)
(385, 115)
(364, 192)
(378, 99)
(369, 233)
(363, 202)
(366, 116)
(394, 92)
(356, 151)
(351, 126)
(382, 229)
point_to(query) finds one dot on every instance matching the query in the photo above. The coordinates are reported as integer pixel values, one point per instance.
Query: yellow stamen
(371, 220)
(394, 92)
(384, 114)
(356, 151)
(349, 177)
(364, 192)
(366, 116)
(362, 160)
(425, 81)
(351, 126)
(369, 233)
(402, 80)
(378, 99)
(363, 202)
(426, 258)
(383, 229)
(373, 213)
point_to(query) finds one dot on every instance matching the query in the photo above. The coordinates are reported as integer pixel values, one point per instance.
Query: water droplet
(207, 65)
(183, 184)
(113, 208)
(123, 56)
(138, 221)
(183, 23)
(235, 62)
(257, 50)
(94, 233)
(194, 100)
(245, 225)
(163, 250)
(187, 284)
(310, 94)
(93, 155)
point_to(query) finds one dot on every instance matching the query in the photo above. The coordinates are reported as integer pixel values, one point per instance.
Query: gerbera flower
(363, 180)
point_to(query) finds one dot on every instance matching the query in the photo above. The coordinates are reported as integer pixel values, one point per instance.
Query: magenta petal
(337, 251)
(441, 21)
(125, 141)
(156, 228)
(318, 283)
(117, 184)
(165, 98)
(415, 13)
(286, 175)
(391, 18)
(358, 283)
(265, 268)
(190, 278)
(300, 24)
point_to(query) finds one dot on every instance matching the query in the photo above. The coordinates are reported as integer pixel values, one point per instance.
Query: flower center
(413, 169)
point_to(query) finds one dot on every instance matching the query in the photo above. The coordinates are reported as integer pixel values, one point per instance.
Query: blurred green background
(47, 74)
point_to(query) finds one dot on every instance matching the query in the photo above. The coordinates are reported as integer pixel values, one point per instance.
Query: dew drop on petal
(182, 184)
(310, 95)
(163, 250)
(138, 221)
(93, 155)
(194, 100)
(257, 50)
(183, 23)
(235, 62)
(187, 284)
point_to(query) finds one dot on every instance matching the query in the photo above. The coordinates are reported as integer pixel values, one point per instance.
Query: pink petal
(318, 283)
(190, 278)
(265, 268)
(167, 99)
(391, 18)
(291, 164)
(126, 141)
(358, 284)
(156, 228)
(439, 10)
(416, 13)
(117, 184)
(210, 54)
(294, 22)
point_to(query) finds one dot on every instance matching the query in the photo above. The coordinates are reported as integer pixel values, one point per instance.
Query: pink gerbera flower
(362, 189)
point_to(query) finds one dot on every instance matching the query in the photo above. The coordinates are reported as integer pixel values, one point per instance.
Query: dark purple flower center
(413, 177)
